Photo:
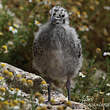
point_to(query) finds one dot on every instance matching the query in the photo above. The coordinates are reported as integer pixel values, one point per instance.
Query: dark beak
(55, 20)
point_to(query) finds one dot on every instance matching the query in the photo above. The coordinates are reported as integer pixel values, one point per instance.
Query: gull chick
(57, 49)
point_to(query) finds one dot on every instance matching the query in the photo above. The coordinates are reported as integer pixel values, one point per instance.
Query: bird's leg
(68, 87)
(49, 92)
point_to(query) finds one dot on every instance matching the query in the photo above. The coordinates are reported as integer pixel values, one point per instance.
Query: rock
(60, 102)
(23, 80)
(30, 88)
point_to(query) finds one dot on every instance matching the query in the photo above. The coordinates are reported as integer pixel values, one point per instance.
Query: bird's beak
(55, 20)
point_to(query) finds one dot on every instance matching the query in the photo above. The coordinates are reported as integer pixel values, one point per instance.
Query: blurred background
(20, 19)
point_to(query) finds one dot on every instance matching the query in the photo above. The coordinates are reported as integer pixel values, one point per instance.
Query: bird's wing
(69, 42)
(71, 49)
(78, 48)
(40, 42)
(48, 40)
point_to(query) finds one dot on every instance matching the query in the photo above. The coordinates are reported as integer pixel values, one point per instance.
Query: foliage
(19, 19)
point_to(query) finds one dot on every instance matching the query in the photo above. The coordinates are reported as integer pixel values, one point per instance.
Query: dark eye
(54, 14)
(55, 10)
(63, 15)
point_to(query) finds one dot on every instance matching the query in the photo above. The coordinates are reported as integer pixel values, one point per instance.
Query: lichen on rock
(21, 89)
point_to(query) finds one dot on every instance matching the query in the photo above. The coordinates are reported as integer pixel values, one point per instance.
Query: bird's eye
(54, 14)
(56, 10)
(63, 15)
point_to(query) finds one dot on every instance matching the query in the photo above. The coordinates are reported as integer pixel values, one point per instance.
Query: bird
(57, 50)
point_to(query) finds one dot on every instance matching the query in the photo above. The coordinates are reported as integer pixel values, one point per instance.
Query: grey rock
(17, 82)
(58, 97)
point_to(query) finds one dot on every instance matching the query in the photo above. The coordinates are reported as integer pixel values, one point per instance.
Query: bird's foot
(54, 103)
(47, 102)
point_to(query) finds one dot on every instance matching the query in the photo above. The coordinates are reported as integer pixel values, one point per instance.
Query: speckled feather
(57, 51)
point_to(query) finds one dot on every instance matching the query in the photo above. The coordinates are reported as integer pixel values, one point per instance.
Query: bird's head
(59, 15)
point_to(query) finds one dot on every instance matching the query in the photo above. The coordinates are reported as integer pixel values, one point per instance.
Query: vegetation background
(20, 19)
